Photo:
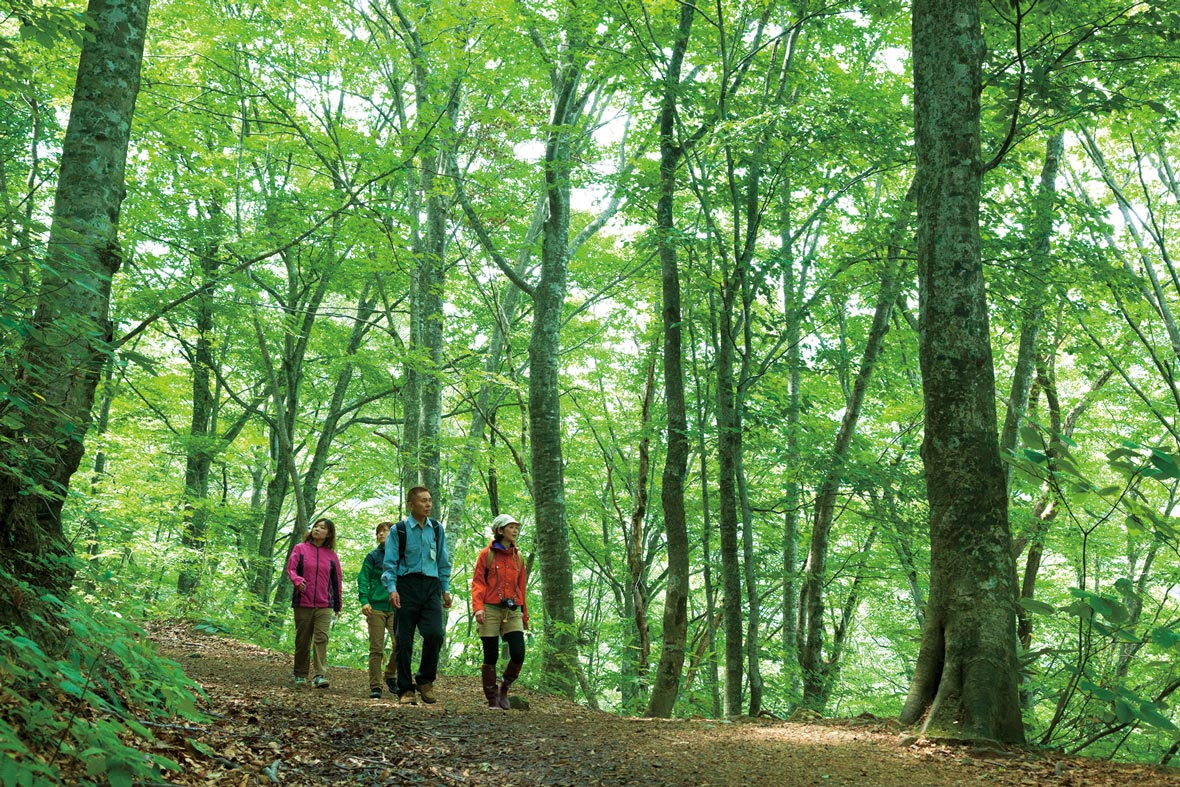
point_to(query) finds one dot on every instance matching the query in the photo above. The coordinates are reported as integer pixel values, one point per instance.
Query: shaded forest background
(366, 245)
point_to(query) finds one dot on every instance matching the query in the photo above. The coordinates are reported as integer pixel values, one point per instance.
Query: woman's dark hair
(330, 541)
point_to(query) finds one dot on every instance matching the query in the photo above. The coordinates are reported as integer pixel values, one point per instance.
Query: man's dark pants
(421, 610)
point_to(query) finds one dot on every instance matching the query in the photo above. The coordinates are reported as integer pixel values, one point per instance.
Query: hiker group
(404, 587)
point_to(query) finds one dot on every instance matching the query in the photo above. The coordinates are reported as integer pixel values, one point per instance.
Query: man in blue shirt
(418, 577)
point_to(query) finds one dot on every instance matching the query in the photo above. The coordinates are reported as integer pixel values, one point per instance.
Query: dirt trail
(264, 732)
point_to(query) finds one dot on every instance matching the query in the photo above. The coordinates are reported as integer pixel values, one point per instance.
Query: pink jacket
(321, 575)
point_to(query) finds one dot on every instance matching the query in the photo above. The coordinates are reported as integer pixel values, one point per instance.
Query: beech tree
(46, 412)
(965, 681)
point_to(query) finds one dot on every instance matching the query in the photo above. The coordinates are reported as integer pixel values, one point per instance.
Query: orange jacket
(501, 578)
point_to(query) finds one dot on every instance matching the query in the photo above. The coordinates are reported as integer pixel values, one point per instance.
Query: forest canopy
(650, 277)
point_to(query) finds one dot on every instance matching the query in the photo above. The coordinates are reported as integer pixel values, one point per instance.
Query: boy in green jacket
(379, 614)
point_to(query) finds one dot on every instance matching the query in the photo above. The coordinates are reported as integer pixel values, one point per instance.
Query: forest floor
(264, 731)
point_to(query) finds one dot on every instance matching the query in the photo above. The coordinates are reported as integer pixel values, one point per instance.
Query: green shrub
(84, 715)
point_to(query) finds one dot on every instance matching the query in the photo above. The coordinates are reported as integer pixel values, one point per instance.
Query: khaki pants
(380, 624)
(311, 639)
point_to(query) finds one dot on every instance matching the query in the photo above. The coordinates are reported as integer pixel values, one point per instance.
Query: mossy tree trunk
(965, 681)
(47, 410)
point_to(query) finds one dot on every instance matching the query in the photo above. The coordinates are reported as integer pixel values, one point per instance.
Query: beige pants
(498, 621)
(380, 624)
(311, 640)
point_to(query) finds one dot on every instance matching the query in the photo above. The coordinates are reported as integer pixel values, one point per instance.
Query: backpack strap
(492, 559)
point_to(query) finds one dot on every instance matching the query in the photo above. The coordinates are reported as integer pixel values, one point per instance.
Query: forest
(826, 349)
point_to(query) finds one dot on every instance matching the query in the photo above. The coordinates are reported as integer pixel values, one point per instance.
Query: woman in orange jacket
(498, 600)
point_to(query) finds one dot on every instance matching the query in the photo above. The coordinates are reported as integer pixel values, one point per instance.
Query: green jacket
(370, 589)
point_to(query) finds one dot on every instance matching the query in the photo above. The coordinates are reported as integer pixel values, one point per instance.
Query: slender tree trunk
(552, 533)
(965, 681)
(1034, 300)
(790, 570)
(816, 685)
(637, 560)
(482, 412)
(199, 450)
(68, 340)
(437, 105)
(727, 448)
(671, 664)
(712, 616)
(99, 469)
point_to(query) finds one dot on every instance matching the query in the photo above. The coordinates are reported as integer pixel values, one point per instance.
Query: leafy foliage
(85, 717)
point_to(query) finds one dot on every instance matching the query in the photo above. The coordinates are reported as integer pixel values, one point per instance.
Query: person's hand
(395, 599)
(479, 616)
(367, 610)
(447, 600)
(299, 583)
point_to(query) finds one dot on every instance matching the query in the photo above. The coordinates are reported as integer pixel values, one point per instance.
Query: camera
(510, 604)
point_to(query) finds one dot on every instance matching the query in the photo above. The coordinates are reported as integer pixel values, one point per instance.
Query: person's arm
(339, 606)
(444, 560)
(292, 574)
(389, 575)
(364, 584)
(479, 585)
(521, 595)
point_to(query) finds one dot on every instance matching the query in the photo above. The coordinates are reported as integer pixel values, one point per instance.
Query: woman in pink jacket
(315, 572)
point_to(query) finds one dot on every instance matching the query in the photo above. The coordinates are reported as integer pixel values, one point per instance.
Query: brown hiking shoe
(427, 692)
(408, 698)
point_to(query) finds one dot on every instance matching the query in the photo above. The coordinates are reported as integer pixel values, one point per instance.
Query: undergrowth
(85, 715)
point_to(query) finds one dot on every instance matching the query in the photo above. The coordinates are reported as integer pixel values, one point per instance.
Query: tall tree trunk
(552, 533)
(667, 679)
(965, 680)
(68, 340)
(199, 449)
(727, 460)
(712, 616)
(1041, 234)
(437, 104)
(793, 296)
(637, 551)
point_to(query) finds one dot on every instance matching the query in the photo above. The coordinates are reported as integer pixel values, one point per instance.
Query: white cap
(503, 521)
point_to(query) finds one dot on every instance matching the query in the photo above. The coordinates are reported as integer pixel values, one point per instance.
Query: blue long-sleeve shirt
(426, 553)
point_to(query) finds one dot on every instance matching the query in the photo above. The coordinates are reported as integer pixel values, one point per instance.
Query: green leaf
(203, 748)
(120, 773)
(1149, 712)
(1123, 711)
(1165, 637)
(1165, 463)
(1109, 608)
(1038, 607)
(165, 763)
(1031, 437)
(1096, 691)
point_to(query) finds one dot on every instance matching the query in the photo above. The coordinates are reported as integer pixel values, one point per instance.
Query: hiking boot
(511, 672)
(300, 681)
(491, 688)
(375, 694)
(407, 698)
(391, 684)
(427, 692)
(319, 682)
